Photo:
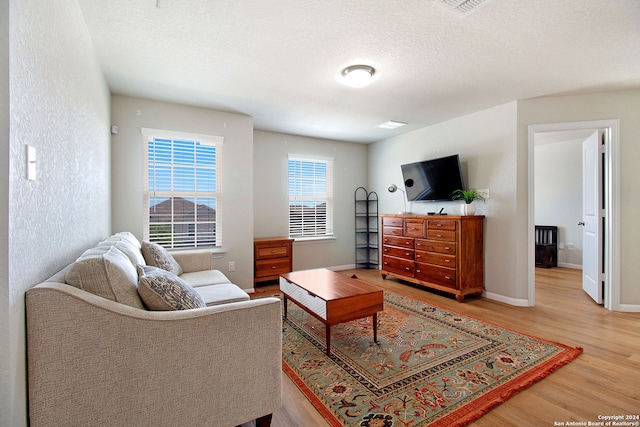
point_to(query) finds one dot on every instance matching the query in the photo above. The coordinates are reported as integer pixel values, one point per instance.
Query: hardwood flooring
(604, 380)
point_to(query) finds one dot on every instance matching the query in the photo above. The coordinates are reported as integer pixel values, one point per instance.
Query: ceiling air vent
(462, 7)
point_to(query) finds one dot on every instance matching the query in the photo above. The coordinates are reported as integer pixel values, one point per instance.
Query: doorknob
(581, 223)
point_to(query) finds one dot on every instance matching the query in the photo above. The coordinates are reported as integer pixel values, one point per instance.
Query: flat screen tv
(432, 180)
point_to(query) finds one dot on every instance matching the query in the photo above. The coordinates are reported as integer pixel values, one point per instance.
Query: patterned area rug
(431, 366)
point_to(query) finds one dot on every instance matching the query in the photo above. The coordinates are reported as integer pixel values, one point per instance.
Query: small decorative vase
(468, 209)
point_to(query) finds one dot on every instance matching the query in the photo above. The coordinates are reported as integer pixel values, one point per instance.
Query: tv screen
(432, 180)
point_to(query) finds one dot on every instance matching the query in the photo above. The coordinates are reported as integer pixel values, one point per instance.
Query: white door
(592, 216)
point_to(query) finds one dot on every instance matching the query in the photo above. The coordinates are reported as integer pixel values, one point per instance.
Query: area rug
(430, 367)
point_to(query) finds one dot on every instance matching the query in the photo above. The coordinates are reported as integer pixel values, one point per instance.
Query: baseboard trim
(631, 308)
(569, 265)
(507, 300)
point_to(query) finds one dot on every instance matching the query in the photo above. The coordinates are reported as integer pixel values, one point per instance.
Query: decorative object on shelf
(366, 212)
(469, 196)
(392, 189)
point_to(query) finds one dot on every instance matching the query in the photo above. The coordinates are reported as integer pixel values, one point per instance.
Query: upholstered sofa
(97, 355)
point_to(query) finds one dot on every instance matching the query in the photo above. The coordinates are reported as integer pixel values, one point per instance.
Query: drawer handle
(447, 260)
(407, 268)
(408, 253)
(273, 267)
(447, 248)
(407, 243)
(439, 225)
(439, 235)
(447, 277)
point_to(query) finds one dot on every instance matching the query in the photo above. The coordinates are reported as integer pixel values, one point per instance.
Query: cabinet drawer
(398, 265)
(441, 235)
(436, 246)
(392, 231)
(397, 252)
(415, 228)
(392, 222)
(403, 242)
(304, 297)
(272, 251)
(438, 275)
(272, 267)
(436, 259)
(441, 224)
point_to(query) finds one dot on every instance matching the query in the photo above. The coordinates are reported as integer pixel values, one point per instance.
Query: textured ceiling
(279, 61)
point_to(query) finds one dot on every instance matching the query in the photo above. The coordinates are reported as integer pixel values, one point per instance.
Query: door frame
(611, 261)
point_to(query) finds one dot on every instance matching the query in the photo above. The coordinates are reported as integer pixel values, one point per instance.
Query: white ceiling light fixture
(462, 7)
(358, 75)
(392, 124)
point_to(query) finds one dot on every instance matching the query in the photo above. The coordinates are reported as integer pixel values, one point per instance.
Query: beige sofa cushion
(205, 278)
(108, 273)
(163, 290)
(157, 256)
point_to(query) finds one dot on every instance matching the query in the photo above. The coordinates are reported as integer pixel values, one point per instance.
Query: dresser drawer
(397, 252)
(415, 228)
(271, 267)
(438, 275)
(436, 259)
(441, 235)
(436, 246)
(304, 297)
(441, 224)
(398, 265)
(272, 251)
(392, 222)
(403, 242)
(392, 231)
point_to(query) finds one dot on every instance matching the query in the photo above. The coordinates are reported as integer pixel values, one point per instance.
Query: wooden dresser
(272, 256)
(436, 251)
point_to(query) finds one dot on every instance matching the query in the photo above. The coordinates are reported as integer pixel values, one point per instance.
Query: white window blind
(181, 189)
(310, 197)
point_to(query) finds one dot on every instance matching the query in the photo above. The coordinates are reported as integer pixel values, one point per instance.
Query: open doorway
(564, 202)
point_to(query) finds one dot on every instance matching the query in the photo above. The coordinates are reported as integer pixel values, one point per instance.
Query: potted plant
(469, 196)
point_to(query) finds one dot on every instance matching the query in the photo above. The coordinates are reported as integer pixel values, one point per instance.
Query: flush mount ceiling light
(358, 75)
(392, 124)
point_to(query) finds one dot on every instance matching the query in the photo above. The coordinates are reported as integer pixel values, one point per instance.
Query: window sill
(215, 252)
(312, 240)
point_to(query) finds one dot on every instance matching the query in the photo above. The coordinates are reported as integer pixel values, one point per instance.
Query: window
(310, 197)
(181, 189)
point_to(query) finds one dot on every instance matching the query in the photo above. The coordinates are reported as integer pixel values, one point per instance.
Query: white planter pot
(468, 209)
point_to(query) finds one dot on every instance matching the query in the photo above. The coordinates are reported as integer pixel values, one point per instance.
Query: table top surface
(330, 285)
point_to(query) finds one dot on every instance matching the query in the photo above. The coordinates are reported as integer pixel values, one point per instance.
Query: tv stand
(435, 251)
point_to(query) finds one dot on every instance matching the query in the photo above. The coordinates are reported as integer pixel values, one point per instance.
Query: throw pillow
(157, 256)
(106, 272)
(163, 290)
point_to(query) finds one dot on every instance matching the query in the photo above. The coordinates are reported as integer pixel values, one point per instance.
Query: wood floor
(604, 380)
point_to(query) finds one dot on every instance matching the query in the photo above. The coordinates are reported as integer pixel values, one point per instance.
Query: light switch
(31, 163)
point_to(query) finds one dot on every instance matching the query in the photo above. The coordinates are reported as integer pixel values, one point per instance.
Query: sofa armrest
(191, 261)
(92, 361)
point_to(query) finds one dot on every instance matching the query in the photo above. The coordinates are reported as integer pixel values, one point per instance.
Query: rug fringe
(489, 401)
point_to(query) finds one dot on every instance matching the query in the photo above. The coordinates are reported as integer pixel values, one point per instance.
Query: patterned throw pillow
(163, 290)
(156, 255)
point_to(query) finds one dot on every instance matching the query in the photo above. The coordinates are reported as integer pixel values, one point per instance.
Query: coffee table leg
(328, 336)
(375, 327)
(284, 300)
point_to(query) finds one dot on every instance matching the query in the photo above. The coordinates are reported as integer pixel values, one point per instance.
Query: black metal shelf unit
(366, 228)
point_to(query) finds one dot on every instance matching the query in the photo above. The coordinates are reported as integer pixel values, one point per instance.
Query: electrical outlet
(570, 246)
(232, 266)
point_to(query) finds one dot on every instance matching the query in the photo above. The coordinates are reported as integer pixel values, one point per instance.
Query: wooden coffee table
(332, 298)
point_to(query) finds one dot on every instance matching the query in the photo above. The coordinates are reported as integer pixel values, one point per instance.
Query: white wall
(59, 104)
(271, 211)
(558, 195)
(623, 105)
(236, 172)
(487, 144)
